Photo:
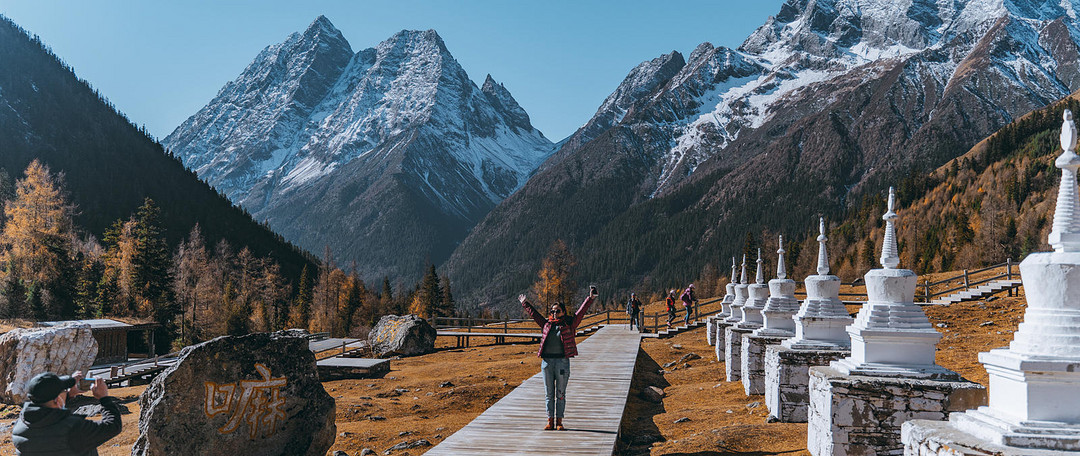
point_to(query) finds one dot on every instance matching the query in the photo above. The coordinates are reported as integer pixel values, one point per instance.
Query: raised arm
(531, 311)
(580, 314)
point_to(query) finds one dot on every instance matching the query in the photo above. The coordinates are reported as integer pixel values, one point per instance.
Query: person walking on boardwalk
(633, 307)
(688, 302)
(670, 307)
(557, 346)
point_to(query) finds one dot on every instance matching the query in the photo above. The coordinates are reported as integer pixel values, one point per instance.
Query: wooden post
(926, 289)
(342, 348)
(966, 279)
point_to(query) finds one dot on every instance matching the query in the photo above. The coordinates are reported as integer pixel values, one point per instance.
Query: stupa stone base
(733, 352)
(857, 415)
(943, 438)
(787, 380)
(753, 362)
(720, 344)
(713, 329)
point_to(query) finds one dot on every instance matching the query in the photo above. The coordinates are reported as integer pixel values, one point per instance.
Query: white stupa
(821, 321)
(741, 294)
(1035, 382)
(781, 305)
(891, 336)
(729, 297)
(758, 295)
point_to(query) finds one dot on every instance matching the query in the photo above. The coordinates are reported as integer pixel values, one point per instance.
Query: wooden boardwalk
(595, 398)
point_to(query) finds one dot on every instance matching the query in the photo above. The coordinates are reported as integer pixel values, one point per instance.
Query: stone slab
(753, 362)
(862, 416)
(787, 380)
(942, 438)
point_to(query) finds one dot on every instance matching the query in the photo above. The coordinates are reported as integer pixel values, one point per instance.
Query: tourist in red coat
(557, 346)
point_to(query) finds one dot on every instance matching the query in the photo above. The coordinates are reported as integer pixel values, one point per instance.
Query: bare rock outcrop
(255, 394)
(406, 335)
(61, 349)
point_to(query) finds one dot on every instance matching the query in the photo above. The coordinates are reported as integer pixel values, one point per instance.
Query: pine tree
(150, 273)
(301, 312)
(428, 297)
(386, 299)
(86, 291)
(448, 307)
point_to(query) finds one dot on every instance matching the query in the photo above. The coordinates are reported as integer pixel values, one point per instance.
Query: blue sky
(159, 62)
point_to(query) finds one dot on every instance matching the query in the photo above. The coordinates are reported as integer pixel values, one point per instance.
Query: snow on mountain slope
(718, 92)
(307, 108)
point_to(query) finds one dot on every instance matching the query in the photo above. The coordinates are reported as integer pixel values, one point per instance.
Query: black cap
(45, 387)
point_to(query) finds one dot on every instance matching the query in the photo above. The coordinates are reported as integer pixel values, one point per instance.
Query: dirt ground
(430, 397)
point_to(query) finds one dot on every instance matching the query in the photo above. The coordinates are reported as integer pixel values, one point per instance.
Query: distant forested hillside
(110, 165)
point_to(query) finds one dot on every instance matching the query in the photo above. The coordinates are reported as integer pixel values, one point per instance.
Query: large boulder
(256, 394)
(61, 349)
(402, 336)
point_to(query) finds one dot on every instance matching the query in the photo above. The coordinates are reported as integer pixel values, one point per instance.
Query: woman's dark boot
(558, 424)
(551, 424)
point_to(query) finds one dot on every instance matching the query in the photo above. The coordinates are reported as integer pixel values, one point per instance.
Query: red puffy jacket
(571, 323)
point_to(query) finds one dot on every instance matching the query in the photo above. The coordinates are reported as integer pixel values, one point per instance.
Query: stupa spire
(1065, 234)
(733, 276)
(890, 256)
(742, 276)
(822, 254)
(781, 270)
(760, 272)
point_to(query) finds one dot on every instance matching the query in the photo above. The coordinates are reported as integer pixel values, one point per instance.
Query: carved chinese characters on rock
(258, 403)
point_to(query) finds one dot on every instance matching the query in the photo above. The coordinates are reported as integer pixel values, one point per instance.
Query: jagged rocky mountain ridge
(828, 101)
(388, 155)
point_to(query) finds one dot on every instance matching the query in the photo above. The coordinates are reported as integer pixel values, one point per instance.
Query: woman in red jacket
(557, 346)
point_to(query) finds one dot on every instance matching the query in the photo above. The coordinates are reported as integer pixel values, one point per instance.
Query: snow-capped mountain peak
(309, 119)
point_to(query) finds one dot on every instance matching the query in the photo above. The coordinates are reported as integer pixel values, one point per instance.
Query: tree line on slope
(52, 269)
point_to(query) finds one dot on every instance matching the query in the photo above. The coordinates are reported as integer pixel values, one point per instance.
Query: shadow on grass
(637, 431)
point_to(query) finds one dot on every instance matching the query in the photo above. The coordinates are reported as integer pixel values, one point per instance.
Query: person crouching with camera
(557, 346)
(46, 427)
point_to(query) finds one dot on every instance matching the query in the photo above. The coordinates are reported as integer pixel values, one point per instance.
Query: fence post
(966, 279)
(1008, 273)
(505, 330)
(926, 289)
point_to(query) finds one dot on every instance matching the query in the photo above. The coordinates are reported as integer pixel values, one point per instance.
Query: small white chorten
(820, 322)
(891, 336)
(758, 295)
(741, 294)
(1035, 382)
(782, 304)
(725, 305)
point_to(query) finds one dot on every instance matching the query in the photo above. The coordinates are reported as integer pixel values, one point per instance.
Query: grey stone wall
(787, 380)
(721, 340)
(862, 416)
(733, 352)
(753, 362)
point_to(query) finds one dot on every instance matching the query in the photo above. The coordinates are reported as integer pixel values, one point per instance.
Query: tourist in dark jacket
(633, 307)
(557, 346)
(45, 427)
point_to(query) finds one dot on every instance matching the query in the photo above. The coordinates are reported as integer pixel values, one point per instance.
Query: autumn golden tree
(37, 242)
(555, 282)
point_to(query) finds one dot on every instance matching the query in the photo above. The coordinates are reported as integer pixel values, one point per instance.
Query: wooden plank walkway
(595, 398)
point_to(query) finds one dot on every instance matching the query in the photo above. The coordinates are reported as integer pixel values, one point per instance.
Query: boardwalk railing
(973, 278)
(651, 321)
